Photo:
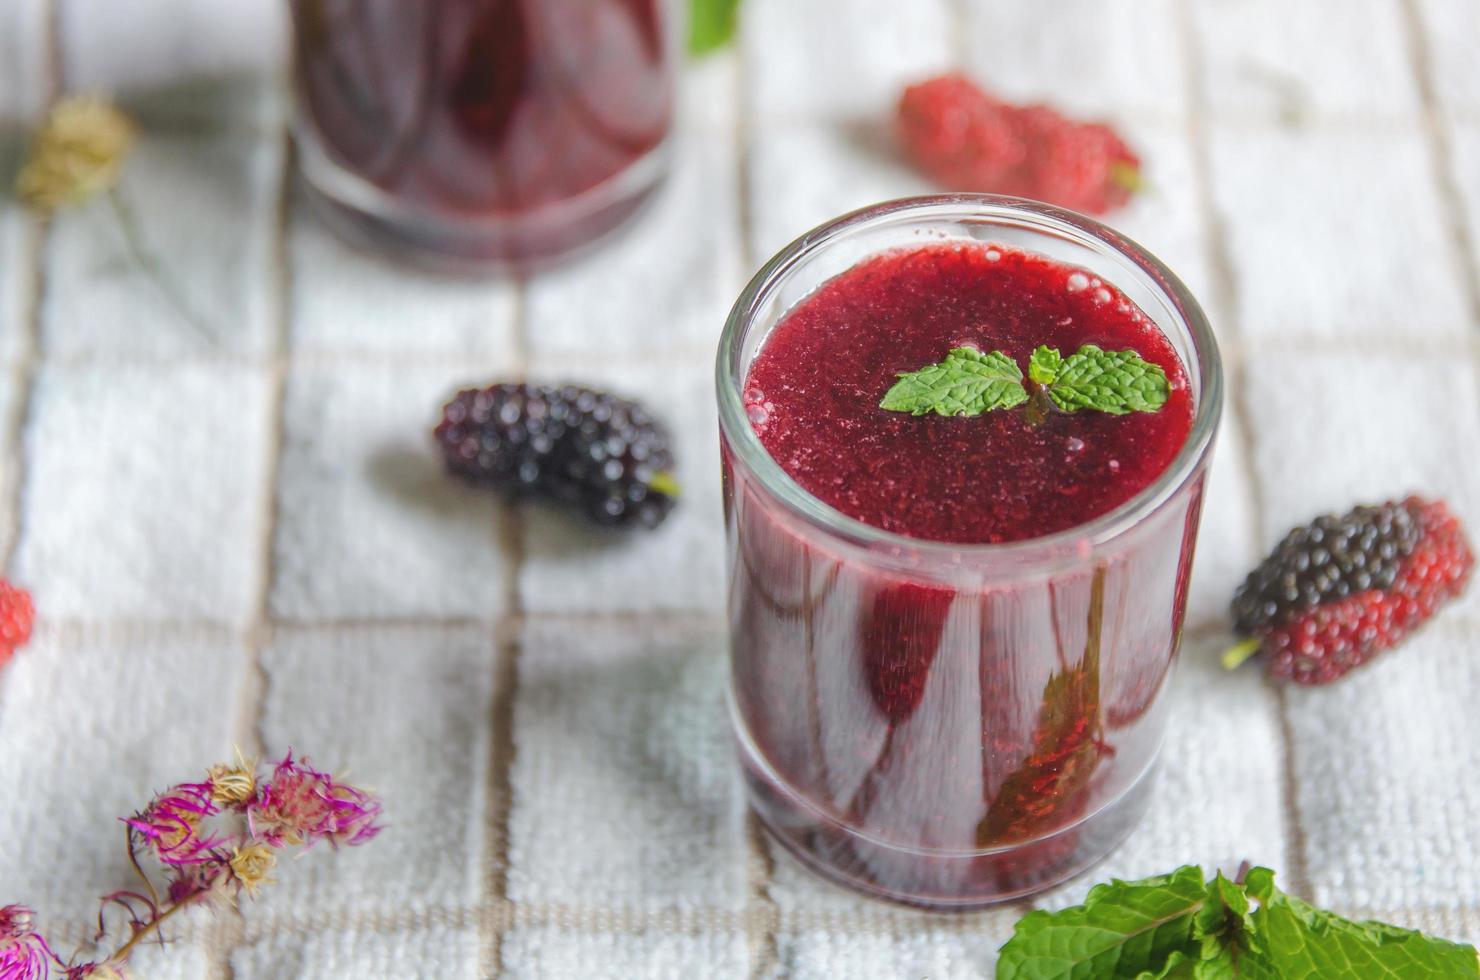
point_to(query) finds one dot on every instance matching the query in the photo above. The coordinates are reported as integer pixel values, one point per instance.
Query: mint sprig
(1044, 365)
(1306, 941)
(1114, 381)
(1176, 925)
(969, 383)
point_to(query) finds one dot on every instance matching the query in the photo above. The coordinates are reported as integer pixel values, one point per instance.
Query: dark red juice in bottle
(483, 131)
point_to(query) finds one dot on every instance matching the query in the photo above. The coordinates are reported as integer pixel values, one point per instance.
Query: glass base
(472, 244)
(940, 881)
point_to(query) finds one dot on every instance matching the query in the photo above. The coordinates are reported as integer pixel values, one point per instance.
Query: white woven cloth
(247, 541)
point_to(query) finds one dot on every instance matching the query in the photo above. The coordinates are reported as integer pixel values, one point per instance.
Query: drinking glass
(1043, 664)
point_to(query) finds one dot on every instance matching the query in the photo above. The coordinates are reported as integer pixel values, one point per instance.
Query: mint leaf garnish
(1117, 382)
(711, 24)
(1175, 926)
(967, 382)
(1044, 365)
(1123, 929)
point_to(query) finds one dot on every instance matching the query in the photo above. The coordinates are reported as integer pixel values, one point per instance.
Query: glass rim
(1069, 544)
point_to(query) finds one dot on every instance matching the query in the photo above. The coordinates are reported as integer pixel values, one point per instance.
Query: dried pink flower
(171, 824)
(301, 805)
(298, 805)
(206, 882)
(16, 921)
(24, 954)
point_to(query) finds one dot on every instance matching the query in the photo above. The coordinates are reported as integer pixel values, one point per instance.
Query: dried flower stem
(133, 859)
(185, 829)
(163, 281)
(120, 955)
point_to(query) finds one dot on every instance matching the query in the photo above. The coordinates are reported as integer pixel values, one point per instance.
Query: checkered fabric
(247, 540)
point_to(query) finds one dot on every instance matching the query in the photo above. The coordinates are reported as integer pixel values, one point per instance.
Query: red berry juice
(503, 130)
(960, 731)
(1001, 476)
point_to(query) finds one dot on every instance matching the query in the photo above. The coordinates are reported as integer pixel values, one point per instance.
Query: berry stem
(1040, 406)
(665, 483)
(1234, 657)
(1126, 176)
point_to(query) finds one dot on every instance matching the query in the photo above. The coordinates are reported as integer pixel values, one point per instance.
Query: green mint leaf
(1175, 927)
(1224, 923)
(1127, 929)
(1221, 928)
(1180, 966)
(1117, 382)
(711, 24)
(967, 382)
(1291, 938)
(1044, 365)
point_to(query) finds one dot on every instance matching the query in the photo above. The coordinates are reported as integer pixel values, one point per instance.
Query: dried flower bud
(171, 824)
(252, 865)
(232, 786)
(301, 805)
(16, 921)
(77, 154)
(24, 955)
(205, 882)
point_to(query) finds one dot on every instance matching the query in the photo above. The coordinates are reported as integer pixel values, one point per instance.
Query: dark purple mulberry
(1324, 561)
(1388, 569)
(589, 450)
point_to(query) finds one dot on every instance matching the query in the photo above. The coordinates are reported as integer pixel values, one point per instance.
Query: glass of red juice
(469, 135)
(951, 637)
